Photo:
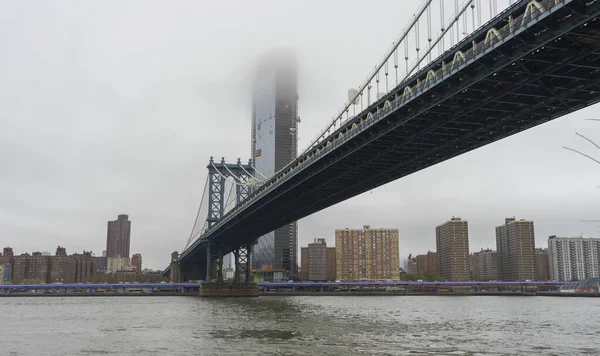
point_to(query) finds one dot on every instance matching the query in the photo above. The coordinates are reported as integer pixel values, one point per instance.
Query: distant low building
(115, 264)
(136, 261)
(5, 273)
(485, 265)
(426, 264)
(411, 264)
(39, 268)
(100, 262)
(542, 265)
(317, 262)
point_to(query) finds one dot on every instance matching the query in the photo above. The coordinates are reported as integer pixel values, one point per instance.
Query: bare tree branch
(583, 154)
(588, 140)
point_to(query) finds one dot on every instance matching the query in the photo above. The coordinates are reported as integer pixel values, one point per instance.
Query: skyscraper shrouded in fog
(117, 237)
(274, 144)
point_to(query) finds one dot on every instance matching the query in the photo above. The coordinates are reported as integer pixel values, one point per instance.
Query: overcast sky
(115, 107)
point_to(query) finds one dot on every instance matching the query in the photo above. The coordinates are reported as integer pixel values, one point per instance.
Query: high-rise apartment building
(515, 243)
(452, 244)
(573, 258)
(317, 262)
(485, 265)
(136, 261)
(274, 144)
(542, 265)
(367, 254)
(117, 237)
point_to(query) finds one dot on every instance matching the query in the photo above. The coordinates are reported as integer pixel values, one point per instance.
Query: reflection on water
(388, 325)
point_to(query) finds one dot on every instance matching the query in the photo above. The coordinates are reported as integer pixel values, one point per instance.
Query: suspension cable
(257, 171)
(197, 214)
(226, 178)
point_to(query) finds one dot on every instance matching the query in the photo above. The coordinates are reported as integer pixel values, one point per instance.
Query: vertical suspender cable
(442, 42)
(491, 10)
(495, 2)
(406, 54)
(395, 65)
(386, 75)
(473, 15)
(429, 31)
(465, 29)
(417, 39)
(478, 13)
(457, 22)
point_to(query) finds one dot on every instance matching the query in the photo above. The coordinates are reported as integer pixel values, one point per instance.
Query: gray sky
(115, 107)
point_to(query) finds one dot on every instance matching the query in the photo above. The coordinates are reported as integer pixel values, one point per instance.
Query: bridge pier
(237, 288)
(175, 273)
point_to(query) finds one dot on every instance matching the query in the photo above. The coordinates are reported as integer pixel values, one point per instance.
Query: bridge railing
(464, 54)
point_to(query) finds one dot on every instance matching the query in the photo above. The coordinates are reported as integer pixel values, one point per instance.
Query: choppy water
(388, 325)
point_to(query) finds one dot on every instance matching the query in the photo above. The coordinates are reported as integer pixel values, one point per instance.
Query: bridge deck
(542, 69)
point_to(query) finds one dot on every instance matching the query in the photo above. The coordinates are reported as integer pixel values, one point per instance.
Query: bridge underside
(549, 70)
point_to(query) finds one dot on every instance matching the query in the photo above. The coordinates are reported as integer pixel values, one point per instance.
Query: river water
(344, 325)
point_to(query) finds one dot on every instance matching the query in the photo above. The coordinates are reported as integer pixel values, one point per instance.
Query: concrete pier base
(228, 290)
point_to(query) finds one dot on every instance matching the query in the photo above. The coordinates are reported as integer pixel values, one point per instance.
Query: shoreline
(314, 294)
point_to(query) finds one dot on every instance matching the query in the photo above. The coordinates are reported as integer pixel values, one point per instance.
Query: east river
(345, 325)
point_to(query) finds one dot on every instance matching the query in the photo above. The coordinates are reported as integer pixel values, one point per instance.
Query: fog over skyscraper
(274, 144)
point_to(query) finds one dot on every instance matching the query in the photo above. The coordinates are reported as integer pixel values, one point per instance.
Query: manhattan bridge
(460, 75)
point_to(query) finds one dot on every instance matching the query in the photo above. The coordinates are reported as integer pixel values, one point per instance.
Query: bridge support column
(220, 265)
(208, 263)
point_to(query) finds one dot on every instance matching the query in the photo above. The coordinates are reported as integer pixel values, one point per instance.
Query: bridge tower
(240, 175)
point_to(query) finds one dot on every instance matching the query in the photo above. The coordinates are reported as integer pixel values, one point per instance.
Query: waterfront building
(573, 258)
(367, 254)
(274, 144)
(317, 262)
(542, 264)
(115, 264)
(38, 268)
(100, 262)
(118, 237)
(411, 264)
(426, 264)
(331, 268)
(5, 273)
(62, 267)
(452, 245)
(485, 265)
(136, 261)
(515, 243)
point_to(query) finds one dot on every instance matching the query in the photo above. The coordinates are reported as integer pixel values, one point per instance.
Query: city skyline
(177, 110)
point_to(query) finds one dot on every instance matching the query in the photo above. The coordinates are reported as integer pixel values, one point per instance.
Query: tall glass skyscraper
(274, 144)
